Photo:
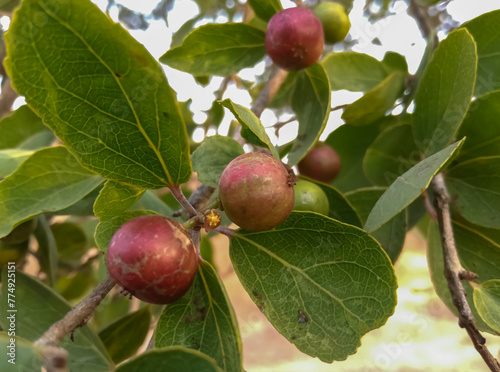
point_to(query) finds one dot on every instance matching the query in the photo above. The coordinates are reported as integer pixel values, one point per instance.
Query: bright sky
(397, 33)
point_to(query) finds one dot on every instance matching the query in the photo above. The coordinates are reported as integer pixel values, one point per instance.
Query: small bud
(212, 220)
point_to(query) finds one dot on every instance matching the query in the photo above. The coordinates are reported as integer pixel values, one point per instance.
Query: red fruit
(322, 163)
(294, 38)
(153, 258)
(256, 191)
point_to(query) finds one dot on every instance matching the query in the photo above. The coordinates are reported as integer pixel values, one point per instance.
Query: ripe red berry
(153, 258)
(294, 38)
(256, 192)
(322, 163)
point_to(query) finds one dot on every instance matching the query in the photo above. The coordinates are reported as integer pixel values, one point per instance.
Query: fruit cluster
(154, 258)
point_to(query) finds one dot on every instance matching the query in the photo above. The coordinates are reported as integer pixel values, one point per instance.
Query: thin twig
(226, 231)
(198, 198)
(56, 357)
(280, 124)
(267, 93)
(179, 195)
(454, 273)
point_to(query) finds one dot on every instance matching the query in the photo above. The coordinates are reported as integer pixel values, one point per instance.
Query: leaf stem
(56, 357)
(454, 272)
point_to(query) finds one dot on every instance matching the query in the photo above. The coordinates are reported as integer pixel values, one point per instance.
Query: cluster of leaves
(322, 281)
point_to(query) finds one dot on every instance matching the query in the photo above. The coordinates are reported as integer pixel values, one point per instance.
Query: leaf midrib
(138, 122)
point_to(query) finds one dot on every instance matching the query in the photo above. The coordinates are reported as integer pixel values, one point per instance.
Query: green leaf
(391, 154)
(18, 126)
(351, 144)
(173, 358)
(123, 337)
(478, 248)
(300, 275)
(149, 201)
(487, 38)
(487, 301)
(217, 49)
(481, 128)
(106, 229)
(311, 104)
(74, 286)
(476, 183)
(444, 92)
(39, 307)
(100, 91)
(390, 235)
(49, 180)
(39, 140)
(47, 248)
(204, 320)
(436, 269)
(357, 72)
(115, 198)
(26, 357)
(409, 186)
(84, 206)
(376, 102)
(251, 126)
(394, 61)
(11, 159)
(265, 9)
(212, 157)
(340, 208)
(184, 31)
(71, 241)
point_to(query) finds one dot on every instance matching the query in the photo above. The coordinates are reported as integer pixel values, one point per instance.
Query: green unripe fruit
(335, 21)
(310, 197)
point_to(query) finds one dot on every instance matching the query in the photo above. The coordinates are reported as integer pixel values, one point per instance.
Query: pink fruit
(294, 38)
(256, 191)
(153, 258)
(322, 163)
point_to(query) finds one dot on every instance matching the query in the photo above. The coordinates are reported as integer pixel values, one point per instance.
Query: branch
(267, 93)
(454, 272)
(179, 195)
(56, 357)
(198, 198)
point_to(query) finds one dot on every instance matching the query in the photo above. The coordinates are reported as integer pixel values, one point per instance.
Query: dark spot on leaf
(194, 344)
(198, 316)
(117, 75)
(301, 317)
(260, 301)
(165, 114)
(293, 338)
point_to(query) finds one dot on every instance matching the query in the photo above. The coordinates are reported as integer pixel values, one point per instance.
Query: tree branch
(454, 272)
(179, 195)
(198, 198)
(267, 93)
(56, 357)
